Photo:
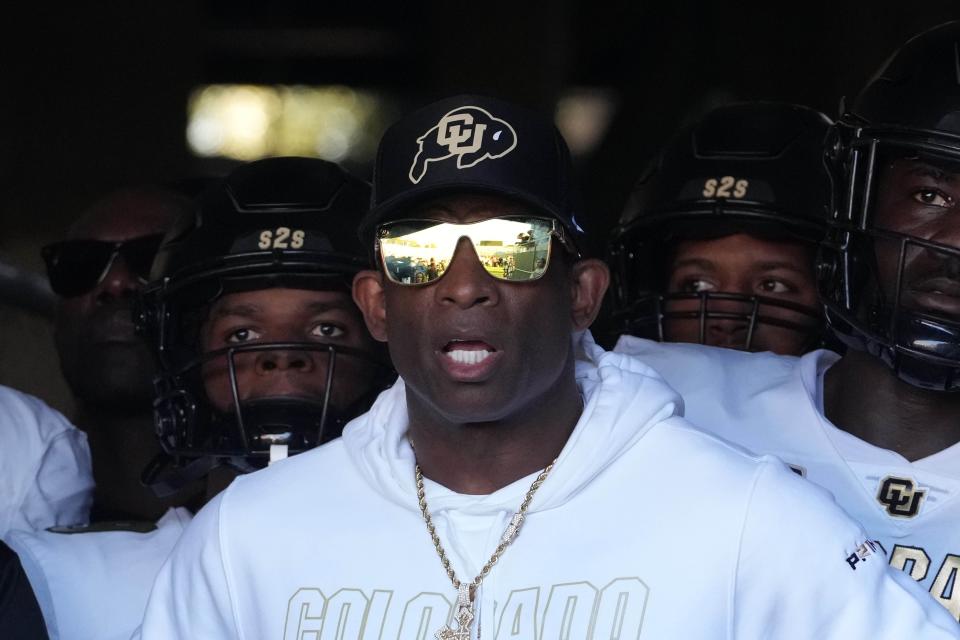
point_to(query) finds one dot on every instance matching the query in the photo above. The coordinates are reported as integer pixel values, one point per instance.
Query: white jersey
(646, 527)
(92, 583)
(774, 404)
(45, 472)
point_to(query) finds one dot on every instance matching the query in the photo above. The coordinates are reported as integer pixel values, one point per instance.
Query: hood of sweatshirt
(623, 399)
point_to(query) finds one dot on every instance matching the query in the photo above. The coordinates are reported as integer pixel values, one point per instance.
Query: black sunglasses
(77, 266)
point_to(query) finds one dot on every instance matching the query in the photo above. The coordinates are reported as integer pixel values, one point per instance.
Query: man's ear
(589, 280)
(368, 295)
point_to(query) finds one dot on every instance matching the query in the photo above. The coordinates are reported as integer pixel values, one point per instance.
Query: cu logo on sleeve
(901, 497)
(469, 134)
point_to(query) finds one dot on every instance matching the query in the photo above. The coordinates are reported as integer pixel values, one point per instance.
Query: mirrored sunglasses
(74, 267)
(512, 248)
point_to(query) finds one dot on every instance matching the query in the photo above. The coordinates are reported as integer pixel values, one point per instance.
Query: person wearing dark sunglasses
(517, 480)
(262, 354)
(97, 272)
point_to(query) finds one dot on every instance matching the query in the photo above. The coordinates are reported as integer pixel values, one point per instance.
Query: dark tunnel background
(95, 96)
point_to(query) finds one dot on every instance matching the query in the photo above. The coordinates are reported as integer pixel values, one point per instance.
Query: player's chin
(935, 303)
(471, 402)
(285, 390)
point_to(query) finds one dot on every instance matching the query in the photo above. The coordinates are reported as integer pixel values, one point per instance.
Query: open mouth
(468, 351)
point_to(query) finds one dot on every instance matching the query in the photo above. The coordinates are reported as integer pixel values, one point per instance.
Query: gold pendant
(463, 617)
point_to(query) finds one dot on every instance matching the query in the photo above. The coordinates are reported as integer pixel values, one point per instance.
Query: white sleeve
(191, 596)
(806, 570)
(45, 470)
(63, 491)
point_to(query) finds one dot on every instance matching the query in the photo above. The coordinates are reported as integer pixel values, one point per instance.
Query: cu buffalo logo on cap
(469, 134)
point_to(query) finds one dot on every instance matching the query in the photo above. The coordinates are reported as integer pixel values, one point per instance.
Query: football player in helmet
(891, 272)
(877, 426)
(262, 354)
(262, 351)
(717, 242)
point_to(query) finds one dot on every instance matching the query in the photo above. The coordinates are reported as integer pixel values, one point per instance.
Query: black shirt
(20, 616)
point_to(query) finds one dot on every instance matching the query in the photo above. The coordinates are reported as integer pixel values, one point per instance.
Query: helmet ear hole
(833, 156)
(826, 269)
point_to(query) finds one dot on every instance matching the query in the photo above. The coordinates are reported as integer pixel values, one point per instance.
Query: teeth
(467, 357)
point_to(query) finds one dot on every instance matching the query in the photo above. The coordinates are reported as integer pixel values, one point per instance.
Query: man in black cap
(517, 481)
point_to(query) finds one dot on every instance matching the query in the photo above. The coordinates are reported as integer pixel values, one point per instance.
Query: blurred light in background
(246, 122)
(583, 116)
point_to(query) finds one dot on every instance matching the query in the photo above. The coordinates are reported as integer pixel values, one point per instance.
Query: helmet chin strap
(276, 416)
(287, 422)
(278, 427)
(165, 478)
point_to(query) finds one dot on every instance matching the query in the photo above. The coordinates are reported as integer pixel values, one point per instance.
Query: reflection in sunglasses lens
(419, 251)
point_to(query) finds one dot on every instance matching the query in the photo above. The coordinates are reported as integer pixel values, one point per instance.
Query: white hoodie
(645, 528)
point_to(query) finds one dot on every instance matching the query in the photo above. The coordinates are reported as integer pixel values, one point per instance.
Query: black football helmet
(908, 112)
(279, 222)
(753, 167)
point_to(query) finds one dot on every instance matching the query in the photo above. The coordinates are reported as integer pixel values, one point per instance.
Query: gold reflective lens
(516, 249)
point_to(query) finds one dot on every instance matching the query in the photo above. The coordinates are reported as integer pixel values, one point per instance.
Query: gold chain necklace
(467, 590)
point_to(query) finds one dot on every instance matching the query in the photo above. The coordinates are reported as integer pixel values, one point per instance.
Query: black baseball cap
(472, 143)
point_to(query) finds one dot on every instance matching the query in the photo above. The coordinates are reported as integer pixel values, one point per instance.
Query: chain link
(508, 535)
